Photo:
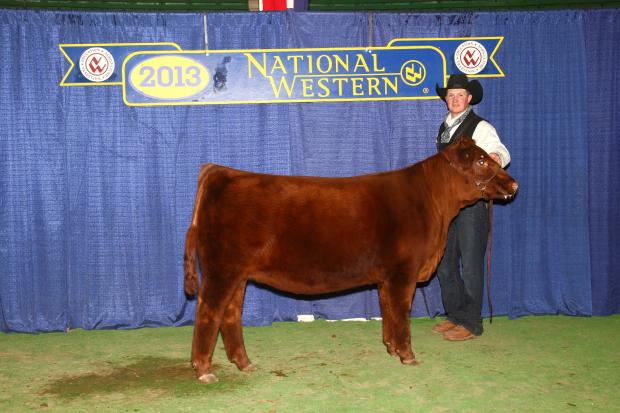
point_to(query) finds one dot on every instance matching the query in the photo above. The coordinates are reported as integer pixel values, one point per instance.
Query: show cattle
(311, 235)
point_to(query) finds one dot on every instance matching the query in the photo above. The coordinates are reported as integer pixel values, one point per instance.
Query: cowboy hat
(461, 82)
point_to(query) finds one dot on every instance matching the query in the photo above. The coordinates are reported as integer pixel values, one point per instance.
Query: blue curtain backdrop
(96, 196)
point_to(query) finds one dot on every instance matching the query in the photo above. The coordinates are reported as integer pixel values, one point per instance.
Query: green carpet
(532, 364)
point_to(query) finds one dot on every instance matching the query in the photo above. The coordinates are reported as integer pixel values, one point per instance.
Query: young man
(461, 270)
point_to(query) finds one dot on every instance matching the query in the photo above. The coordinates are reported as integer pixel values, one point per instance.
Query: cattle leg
(232, 333)
(388, 320)
(212, 302)
(398, 300)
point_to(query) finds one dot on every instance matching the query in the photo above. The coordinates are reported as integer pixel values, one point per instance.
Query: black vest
(467, 128)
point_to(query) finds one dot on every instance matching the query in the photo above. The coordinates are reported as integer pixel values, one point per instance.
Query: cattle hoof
(249, 368)
(208, 378)
(409, 362)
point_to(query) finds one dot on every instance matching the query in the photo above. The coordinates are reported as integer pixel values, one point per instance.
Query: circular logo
(471, 57)
(96, 64)
(413, 72)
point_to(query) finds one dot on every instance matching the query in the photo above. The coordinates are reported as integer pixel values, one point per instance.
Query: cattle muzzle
(513, 185)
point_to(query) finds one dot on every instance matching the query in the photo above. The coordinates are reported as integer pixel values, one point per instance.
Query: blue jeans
(461, 270)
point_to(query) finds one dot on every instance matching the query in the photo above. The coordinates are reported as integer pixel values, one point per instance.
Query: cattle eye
(481, 162)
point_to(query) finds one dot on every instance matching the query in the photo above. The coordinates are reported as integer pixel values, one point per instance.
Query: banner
(273, 76)
(156, 74)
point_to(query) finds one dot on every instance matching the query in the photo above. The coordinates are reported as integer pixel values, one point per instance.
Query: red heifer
(310, 235)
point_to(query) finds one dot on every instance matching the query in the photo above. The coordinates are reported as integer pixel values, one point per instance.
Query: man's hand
(496, 158)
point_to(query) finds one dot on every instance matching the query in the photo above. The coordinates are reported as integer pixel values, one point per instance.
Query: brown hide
(312, 235)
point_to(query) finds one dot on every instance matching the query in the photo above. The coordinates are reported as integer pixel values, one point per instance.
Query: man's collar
(451, 118)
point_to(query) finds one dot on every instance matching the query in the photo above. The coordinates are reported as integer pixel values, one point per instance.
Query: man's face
(457, 100)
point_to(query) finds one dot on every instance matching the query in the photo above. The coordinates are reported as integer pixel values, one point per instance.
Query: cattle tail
(190, 282)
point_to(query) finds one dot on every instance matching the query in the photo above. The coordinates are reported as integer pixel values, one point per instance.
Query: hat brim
(473, 87)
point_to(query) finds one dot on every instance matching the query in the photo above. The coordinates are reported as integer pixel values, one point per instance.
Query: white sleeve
(486, 138)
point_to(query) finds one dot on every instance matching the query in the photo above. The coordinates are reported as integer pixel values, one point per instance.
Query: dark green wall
(314, 5)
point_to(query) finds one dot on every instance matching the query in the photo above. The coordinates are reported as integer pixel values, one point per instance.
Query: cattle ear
(465, 149)
(466, 141)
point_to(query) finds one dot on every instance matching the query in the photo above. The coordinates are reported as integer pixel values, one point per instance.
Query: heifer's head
(479, 169)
